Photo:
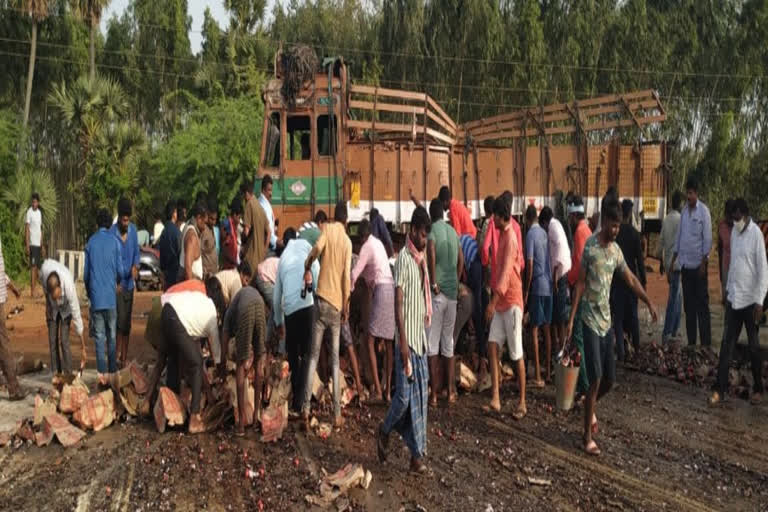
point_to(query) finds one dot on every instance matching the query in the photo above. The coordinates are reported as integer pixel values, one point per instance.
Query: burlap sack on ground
(169, 410)
(73, 396)
(139, 378)
(65, 432)
(42, 409)
(97, 413)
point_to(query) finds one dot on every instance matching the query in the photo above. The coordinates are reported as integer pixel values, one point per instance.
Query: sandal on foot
(591, 449)
(756, 399)
(714, 399)
(520, 413)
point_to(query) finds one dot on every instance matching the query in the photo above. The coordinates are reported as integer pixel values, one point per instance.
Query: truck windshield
(326, 135)
(298, 142)
(272, 153)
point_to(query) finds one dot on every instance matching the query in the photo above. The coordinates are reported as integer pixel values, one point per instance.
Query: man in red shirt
(460, 218)
(505, 311)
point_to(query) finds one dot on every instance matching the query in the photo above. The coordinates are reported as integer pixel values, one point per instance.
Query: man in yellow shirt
(334, 248)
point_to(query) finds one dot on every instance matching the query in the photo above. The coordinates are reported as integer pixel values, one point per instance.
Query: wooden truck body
(389, 143)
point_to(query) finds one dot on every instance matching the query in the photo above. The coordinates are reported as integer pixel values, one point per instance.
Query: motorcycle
(150, 275)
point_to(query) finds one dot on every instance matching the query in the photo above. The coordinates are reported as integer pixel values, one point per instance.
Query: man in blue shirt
(125, 232)
(297, 305)
(102, 274)
(694, 242)
(538, 290)
(380, 231)
(169, 246)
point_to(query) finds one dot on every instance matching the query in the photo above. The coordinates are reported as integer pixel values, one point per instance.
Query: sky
(196, 10)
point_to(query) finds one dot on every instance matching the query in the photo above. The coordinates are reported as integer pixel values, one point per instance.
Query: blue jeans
(103, 331)
(674, 306)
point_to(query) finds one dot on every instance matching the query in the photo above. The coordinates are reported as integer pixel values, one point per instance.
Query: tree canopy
(190, 121)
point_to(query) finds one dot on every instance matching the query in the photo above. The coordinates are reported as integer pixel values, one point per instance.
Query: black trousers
(735, 319)
(184, 349)
(298, 337)
(624, 313)
(696, 303)
(475, 281)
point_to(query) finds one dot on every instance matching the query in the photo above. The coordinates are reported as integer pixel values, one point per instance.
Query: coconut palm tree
(90, 12)
(37, 10)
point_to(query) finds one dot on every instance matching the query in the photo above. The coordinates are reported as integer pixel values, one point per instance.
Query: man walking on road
(125, 232)
(601, 258)
(7, 361)
(694, 241)
(560, 260)
(413, 310)
(665, 252)
(506, 309)
(746, 289)
(538, 291)
(62, 308)
(334, 250)
(34, 240)
(445, 263)
(102, 276)
(623, 301)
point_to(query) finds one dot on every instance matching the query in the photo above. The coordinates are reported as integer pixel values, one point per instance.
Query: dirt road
(663, 449)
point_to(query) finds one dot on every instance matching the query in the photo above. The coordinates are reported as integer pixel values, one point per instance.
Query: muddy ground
(663, 449)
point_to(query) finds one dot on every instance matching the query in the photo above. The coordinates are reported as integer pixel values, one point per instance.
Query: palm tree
(37, 10)
(90, 12)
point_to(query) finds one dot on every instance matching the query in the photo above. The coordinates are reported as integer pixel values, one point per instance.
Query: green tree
(37, 10)
(219, 146)
(25, 182)
(90, 12)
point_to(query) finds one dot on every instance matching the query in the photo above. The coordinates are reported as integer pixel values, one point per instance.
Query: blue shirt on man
(290, 280)
(103, 268)
(694, 238)
(537, 249)
(129, 250)
(170, 249)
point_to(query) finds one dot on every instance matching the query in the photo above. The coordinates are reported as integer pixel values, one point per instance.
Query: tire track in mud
(641, 491)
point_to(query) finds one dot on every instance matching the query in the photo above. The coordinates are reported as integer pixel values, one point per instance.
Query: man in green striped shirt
(413, 309)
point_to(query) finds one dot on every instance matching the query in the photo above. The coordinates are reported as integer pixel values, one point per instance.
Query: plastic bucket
(565, 386)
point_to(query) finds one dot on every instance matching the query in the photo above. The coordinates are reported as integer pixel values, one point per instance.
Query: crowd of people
(248, 293)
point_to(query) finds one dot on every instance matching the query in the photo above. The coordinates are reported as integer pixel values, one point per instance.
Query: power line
(417, 84)
(602, 69)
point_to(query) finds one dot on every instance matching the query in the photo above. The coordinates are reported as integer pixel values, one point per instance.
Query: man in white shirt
(265, 200)
(34, 240)
(560, 262)
(746, 287)
(157, 229)
(62, 308)
(665, 251)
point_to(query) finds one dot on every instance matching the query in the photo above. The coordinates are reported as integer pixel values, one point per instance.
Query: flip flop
(592, 449)
(491, 410)
(540, 384)
(756, 399)
(519, 414)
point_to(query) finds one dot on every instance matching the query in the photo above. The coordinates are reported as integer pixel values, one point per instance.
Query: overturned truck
(331, 140)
